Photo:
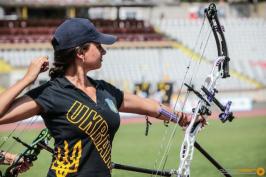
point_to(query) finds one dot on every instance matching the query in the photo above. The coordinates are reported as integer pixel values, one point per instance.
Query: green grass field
(237, 145)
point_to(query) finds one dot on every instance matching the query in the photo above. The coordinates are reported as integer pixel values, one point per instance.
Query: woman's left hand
(185, 119)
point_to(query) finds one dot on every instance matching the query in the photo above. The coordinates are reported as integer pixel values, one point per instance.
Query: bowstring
(201, 56)
(186, 97)
(187, 93)
(169, 144)
(22, 131)
(8, 136)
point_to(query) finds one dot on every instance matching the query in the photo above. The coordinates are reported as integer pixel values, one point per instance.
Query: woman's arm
(13, 109)
(7, 97)
(149, 107)
(20, 109)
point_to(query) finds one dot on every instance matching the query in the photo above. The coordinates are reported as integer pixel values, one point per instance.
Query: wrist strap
(172, 117)
(159, 115)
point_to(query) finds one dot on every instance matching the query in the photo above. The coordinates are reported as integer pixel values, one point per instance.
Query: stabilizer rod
(212, 160)
(140, 170)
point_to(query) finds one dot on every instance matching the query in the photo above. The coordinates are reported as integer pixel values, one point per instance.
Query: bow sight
(226, 113)
(204, 110)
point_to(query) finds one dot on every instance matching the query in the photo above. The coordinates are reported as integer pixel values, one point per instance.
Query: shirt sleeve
(115, 92)
(43, 96)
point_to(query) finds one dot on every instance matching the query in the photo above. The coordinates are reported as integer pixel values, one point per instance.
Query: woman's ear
(80, 56)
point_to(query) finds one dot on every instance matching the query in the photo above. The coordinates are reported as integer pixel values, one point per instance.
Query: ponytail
(63, 59)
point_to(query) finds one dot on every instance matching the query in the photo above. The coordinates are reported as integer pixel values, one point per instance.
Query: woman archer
(82, 114)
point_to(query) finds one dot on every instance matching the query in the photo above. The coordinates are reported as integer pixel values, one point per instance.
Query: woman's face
(93, 56)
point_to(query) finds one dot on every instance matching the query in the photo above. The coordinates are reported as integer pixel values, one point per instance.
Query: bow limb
(217, 29)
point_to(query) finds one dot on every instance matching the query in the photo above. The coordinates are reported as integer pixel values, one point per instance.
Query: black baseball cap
(76, 31)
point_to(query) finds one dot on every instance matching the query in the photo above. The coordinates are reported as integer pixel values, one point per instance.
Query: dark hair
(64, 58)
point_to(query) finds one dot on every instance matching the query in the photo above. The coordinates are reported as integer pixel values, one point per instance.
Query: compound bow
(31, 152)
(206, 96)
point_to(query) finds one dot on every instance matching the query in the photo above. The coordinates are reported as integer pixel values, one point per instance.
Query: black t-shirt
(83, 130)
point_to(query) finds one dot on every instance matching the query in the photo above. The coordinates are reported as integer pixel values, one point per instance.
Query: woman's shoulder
(106, 86)
(47, 86)
(100, 83)
(49, 89)
(53, 83)
(44, 87)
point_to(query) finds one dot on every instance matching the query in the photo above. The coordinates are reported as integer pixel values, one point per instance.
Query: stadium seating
(22, 58)
(41, 30)
(154, 65)
(136, 65)
(245, 38)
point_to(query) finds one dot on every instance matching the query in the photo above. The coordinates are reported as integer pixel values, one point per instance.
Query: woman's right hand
(23, 166)
(36, 67)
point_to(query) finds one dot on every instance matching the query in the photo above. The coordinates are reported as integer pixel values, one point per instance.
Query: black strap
(148, 123)
(2, 157)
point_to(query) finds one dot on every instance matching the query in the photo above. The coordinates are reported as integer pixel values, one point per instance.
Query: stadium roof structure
(77, 3)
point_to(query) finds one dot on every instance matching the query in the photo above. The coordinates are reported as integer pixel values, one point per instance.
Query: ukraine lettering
(92, 123)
